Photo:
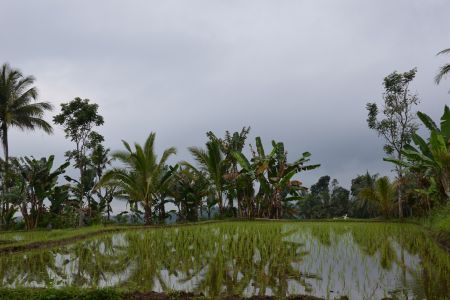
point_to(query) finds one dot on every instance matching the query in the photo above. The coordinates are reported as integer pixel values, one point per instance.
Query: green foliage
(142, 177)
(432, 157)
(17, 110)
(381, 193)
(325, 200)
(444, 70)
(360, 207)
(229, 144)
(38, 182)
(79, 117)
(188, 187)
(275, 177)
(213, 163)
(398, 125)
(16, 107)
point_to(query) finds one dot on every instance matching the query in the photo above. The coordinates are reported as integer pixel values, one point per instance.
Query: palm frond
(445, 51)
(443, 72)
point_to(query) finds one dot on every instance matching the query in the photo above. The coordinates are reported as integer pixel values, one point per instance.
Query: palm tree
(382, 193)
(229, 144)
(16, 109)
(212, 162)
(364, 207)
(142, 177)
(444, 70)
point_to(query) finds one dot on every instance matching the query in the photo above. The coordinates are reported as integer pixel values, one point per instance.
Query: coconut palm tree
(445, 69)
(382, 193)
(364, 207)
(142, 177)
(214, 164)
(16, 107)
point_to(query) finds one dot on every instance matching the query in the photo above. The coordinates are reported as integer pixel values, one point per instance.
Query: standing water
(329, 260)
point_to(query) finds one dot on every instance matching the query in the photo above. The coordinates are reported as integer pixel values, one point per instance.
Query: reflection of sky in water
(344, 269)
(326, 266)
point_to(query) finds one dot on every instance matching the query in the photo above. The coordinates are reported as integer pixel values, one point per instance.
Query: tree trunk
(162, 212)
(147, 214)
(445, 180)
(399, 190)
(219, 201)
(80, 217)
(5, 204)
(5, 144)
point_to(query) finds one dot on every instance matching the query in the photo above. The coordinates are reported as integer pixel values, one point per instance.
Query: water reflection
(362, 261)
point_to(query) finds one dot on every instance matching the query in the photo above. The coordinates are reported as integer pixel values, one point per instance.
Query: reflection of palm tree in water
(248, 258)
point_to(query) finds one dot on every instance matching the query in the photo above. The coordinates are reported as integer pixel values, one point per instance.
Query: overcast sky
(299, 72)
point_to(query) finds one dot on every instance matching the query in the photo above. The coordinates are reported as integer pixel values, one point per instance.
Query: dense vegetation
(228, 177)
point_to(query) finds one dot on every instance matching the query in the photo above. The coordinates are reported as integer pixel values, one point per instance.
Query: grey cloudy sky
(296, 71)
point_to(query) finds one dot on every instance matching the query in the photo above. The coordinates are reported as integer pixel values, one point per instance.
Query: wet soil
(191, 296)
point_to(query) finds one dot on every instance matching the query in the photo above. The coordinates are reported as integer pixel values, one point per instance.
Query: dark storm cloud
(296, 71)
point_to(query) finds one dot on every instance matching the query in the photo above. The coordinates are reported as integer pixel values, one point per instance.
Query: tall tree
(398, 124)
(17, 109)
(275, 177)
(213, 163)
(188, 188)
(382, 193)
(79, 117)
(362, 207)
(142, 177)
(444, 70)
(229, 144)
(432, 156)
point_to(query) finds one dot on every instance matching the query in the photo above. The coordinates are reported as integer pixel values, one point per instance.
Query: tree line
(223, 181)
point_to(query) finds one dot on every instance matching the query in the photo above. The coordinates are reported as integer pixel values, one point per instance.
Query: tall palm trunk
(162, 212)
(5, 204)
(220, 201)
(5, 143)
(147, 214)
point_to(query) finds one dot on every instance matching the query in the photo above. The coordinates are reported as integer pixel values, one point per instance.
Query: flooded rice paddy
(329, 260)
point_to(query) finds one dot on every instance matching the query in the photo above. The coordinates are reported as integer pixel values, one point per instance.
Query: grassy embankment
(12, 241)
(16, 241)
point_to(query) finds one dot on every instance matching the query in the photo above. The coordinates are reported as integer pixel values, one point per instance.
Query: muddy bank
(191, 296)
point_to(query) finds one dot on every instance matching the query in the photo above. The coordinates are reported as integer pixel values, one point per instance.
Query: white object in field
(345, 217)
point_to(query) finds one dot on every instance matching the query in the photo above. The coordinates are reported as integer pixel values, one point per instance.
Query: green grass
(23, 238)
(439, 220)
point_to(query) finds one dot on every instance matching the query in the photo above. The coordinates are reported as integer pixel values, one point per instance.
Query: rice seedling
(359, 260)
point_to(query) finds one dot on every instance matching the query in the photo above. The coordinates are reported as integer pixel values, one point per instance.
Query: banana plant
(188, 188)
(39, 182)
(275, 177)
(431, 156)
